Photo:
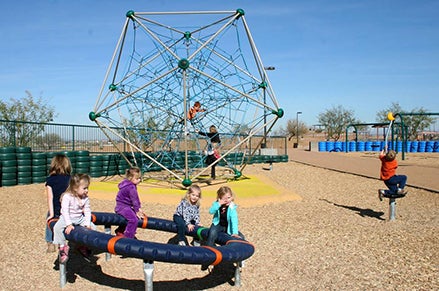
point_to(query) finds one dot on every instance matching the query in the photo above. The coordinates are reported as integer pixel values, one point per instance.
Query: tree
(291, 129)
(413, 123)
(29, 113)
(48, 141)
(335, 121)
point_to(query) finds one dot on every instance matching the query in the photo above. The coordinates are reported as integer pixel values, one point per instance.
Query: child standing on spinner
(56, 184)
(75, 210)
(395, 183)
(187, 214)
(128, 202)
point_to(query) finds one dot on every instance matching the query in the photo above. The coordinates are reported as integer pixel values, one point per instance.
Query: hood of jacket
(125, 183)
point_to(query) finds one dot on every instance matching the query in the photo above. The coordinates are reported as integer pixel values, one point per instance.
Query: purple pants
(132, 221)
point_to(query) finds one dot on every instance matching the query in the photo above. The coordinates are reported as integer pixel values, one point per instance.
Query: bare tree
(335, 121)
(293, 128)
(414, 123)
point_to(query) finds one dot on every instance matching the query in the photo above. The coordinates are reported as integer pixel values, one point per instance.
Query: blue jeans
(395, 182)
(181, 228)
(213, 234)
(48, 233)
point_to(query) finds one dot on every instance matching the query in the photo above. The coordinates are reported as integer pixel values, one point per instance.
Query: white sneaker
(381, 194)
(181, 243)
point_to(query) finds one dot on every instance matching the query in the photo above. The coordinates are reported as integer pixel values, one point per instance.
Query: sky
(362, 55)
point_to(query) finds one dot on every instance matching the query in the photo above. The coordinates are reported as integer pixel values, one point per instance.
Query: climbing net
(163, 63)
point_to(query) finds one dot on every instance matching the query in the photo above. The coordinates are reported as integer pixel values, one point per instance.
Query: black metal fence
(52, 137)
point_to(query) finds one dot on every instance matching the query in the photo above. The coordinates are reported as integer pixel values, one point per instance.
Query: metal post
(264, 142)
(62, 272)
(238, 274)
(73, 138)
(392, 208)
(107, 230)
(297, 126)
(148, 270)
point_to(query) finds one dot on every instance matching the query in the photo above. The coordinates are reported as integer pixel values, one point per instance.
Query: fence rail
(50, 137)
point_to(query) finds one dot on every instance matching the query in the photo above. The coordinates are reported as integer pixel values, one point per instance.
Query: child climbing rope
(193, 112)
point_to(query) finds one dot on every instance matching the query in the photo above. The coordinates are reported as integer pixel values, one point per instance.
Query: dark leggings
(181, 228)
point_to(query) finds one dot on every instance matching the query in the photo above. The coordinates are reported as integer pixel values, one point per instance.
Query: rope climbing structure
(166, 63)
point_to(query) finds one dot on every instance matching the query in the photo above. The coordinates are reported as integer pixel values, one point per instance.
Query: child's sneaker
(381, 194)
(196, 243)
(204, 267)
(63, 254)
(402, 191)
(85, 253)
(181, 243)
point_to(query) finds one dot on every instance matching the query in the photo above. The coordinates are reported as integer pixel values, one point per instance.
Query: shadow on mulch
(360, 211)
(78, 266)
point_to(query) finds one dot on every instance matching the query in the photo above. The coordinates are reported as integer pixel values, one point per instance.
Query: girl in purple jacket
(128, 203)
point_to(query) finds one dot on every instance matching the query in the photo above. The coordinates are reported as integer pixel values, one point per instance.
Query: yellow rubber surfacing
(250, 191)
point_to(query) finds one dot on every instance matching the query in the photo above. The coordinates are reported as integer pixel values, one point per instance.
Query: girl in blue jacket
(225, 215)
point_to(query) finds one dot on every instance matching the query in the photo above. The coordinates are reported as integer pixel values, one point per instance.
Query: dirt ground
(337, 237)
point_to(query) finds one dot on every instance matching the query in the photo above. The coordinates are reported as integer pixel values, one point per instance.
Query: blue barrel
(421, 146)
(376, 146)
(414, 146)
(360, 146)
(429, 147)
(409, 145)
(330, 146)
(368, 146)
(322, 146)
(391, 145)
(382, 144)
(352, 146)
(343, 146)
(436, 147)
(399, 146)
(338, 146)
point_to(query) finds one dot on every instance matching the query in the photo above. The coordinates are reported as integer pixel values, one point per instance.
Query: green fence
(27, 148)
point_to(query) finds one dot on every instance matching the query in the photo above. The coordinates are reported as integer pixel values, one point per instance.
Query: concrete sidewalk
(422, 175)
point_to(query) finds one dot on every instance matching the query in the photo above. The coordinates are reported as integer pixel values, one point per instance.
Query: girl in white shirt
(75, 210)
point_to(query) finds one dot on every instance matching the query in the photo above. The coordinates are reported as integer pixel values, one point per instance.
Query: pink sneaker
(63, 254)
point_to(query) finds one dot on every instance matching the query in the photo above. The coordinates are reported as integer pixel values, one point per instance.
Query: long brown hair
(60, 165)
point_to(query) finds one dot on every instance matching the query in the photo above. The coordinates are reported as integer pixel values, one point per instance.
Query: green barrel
(96, 166)
(39, 167)
(24, 165)
(109, 165)
(8, 162)
(82, 162)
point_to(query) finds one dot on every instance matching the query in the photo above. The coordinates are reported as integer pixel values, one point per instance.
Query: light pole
(297, 126)
(264, 86)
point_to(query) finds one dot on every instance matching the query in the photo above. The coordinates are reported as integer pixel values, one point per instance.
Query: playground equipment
(356, 125)
(159, 70)
(392, 203)
(391, 118)
(231, 249)
(382, 193)
(404, 129)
